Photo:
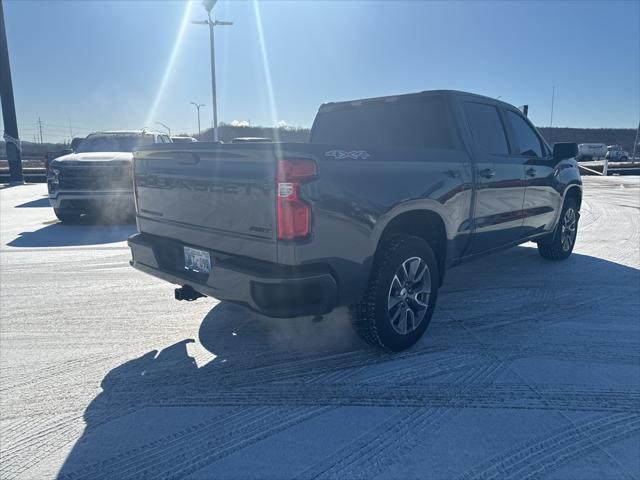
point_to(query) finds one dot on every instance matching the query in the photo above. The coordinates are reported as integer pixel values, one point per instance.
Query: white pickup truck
(98, 177)
(615, 153)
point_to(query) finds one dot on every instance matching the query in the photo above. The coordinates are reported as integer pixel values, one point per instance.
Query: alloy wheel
(409, 293)
(568, 233)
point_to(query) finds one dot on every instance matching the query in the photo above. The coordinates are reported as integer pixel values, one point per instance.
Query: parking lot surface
(529, 369)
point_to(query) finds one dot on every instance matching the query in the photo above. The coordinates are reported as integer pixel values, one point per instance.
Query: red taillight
(294, 214)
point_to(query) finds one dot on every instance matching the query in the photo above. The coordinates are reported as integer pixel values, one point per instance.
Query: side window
(528, 141)
(486, 127)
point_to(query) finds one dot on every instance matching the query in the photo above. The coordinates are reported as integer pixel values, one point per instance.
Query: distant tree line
(609, 136)
(227, 132)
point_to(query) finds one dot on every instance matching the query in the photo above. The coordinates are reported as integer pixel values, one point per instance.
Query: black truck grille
(96, 177)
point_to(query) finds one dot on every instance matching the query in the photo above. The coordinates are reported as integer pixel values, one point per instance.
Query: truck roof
(391, 98)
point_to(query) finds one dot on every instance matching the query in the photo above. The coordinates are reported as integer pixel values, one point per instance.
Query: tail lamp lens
(294, 214)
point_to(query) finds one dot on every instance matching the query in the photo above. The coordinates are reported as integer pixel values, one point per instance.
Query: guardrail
(31, 175)
(605, 168)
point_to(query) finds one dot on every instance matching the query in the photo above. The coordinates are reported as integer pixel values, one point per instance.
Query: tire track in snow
(546, 453)
(379, 448)
(192, 448)
(510, 397)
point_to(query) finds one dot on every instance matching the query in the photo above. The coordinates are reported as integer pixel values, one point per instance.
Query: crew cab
(97, 178)
(387, 194)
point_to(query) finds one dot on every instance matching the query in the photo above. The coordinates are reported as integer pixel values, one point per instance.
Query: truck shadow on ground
(87, 231)
(175, 411)
(39, 203)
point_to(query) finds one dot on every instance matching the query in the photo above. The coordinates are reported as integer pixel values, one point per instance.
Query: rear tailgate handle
(531, 172)
(187, 158)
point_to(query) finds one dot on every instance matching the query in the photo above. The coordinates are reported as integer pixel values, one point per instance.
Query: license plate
(196, 260)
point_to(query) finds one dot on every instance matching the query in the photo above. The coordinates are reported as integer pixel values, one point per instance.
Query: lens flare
(172, 59)
(267, 75)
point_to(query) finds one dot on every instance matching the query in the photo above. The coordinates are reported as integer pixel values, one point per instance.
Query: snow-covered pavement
(529, 369)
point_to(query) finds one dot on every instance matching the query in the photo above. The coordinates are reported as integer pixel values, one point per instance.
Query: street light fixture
(208, 5)
(198, 105)
(165, 126)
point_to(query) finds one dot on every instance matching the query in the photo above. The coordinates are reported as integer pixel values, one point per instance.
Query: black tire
(67, 216)
(623, 159)
(372, 317)
(561, 244)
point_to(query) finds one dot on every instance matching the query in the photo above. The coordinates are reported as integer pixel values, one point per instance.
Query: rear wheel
(67, 216)
(401, 296)
(623, 159)
(560, 246)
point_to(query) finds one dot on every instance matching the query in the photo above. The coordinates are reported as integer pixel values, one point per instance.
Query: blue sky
(101, 64)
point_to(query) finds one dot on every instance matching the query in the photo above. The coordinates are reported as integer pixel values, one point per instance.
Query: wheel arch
(422, 223)
(573, 191)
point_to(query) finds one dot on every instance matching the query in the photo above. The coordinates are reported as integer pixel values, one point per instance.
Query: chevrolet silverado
(387, 194)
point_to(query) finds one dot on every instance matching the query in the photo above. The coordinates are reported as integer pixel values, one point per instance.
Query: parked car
(183, 139)
(388, 194)
(97, 177)
(591, 151)
(615, 153)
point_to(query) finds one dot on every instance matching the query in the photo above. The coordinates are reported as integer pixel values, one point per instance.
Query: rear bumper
(72, 199)
(273, 290)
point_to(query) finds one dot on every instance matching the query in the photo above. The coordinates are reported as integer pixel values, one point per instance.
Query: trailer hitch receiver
(187, 293)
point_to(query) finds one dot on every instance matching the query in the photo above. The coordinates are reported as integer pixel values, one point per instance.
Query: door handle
(487, 173)
(531, 172)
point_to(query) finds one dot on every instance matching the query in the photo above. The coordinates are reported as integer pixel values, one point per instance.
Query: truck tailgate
(217, 197)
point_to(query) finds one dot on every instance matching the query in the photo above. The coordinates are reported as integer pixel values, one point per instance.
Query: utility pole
(553, 99)
(198, 105)
(208, 5)
(70, 131)
(635, 145)
(40, 127)
(10, 135)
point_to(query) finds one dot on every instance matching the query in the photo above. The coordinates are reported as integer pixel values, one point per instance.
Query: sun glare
(267, 72)
(169, 68)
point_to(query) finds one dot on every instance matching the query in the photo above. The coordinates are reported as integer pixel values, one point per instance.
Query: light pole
(635, 145)
(165, 126)
(198, 105)
(10, 135)
(208, 5)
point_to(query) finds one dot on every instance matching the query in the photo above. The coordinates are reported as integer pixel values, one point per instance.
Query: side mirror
(564, 150)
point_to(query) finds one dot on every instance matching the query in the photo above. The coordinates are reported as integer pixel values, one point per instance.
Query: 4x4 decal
(353, 154)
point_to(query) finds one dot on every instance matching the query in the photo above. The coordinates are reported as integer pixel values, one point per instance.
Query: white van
(591, 151)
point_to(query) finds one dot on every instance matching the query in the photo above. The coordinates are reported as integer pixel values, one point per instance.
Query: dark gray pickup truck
(388, 193)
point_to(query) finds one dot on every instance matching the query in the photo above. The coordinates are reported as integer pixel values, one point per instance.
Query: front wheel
(67, 216)
(401, 296)
(564, 237)
(623, 159)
